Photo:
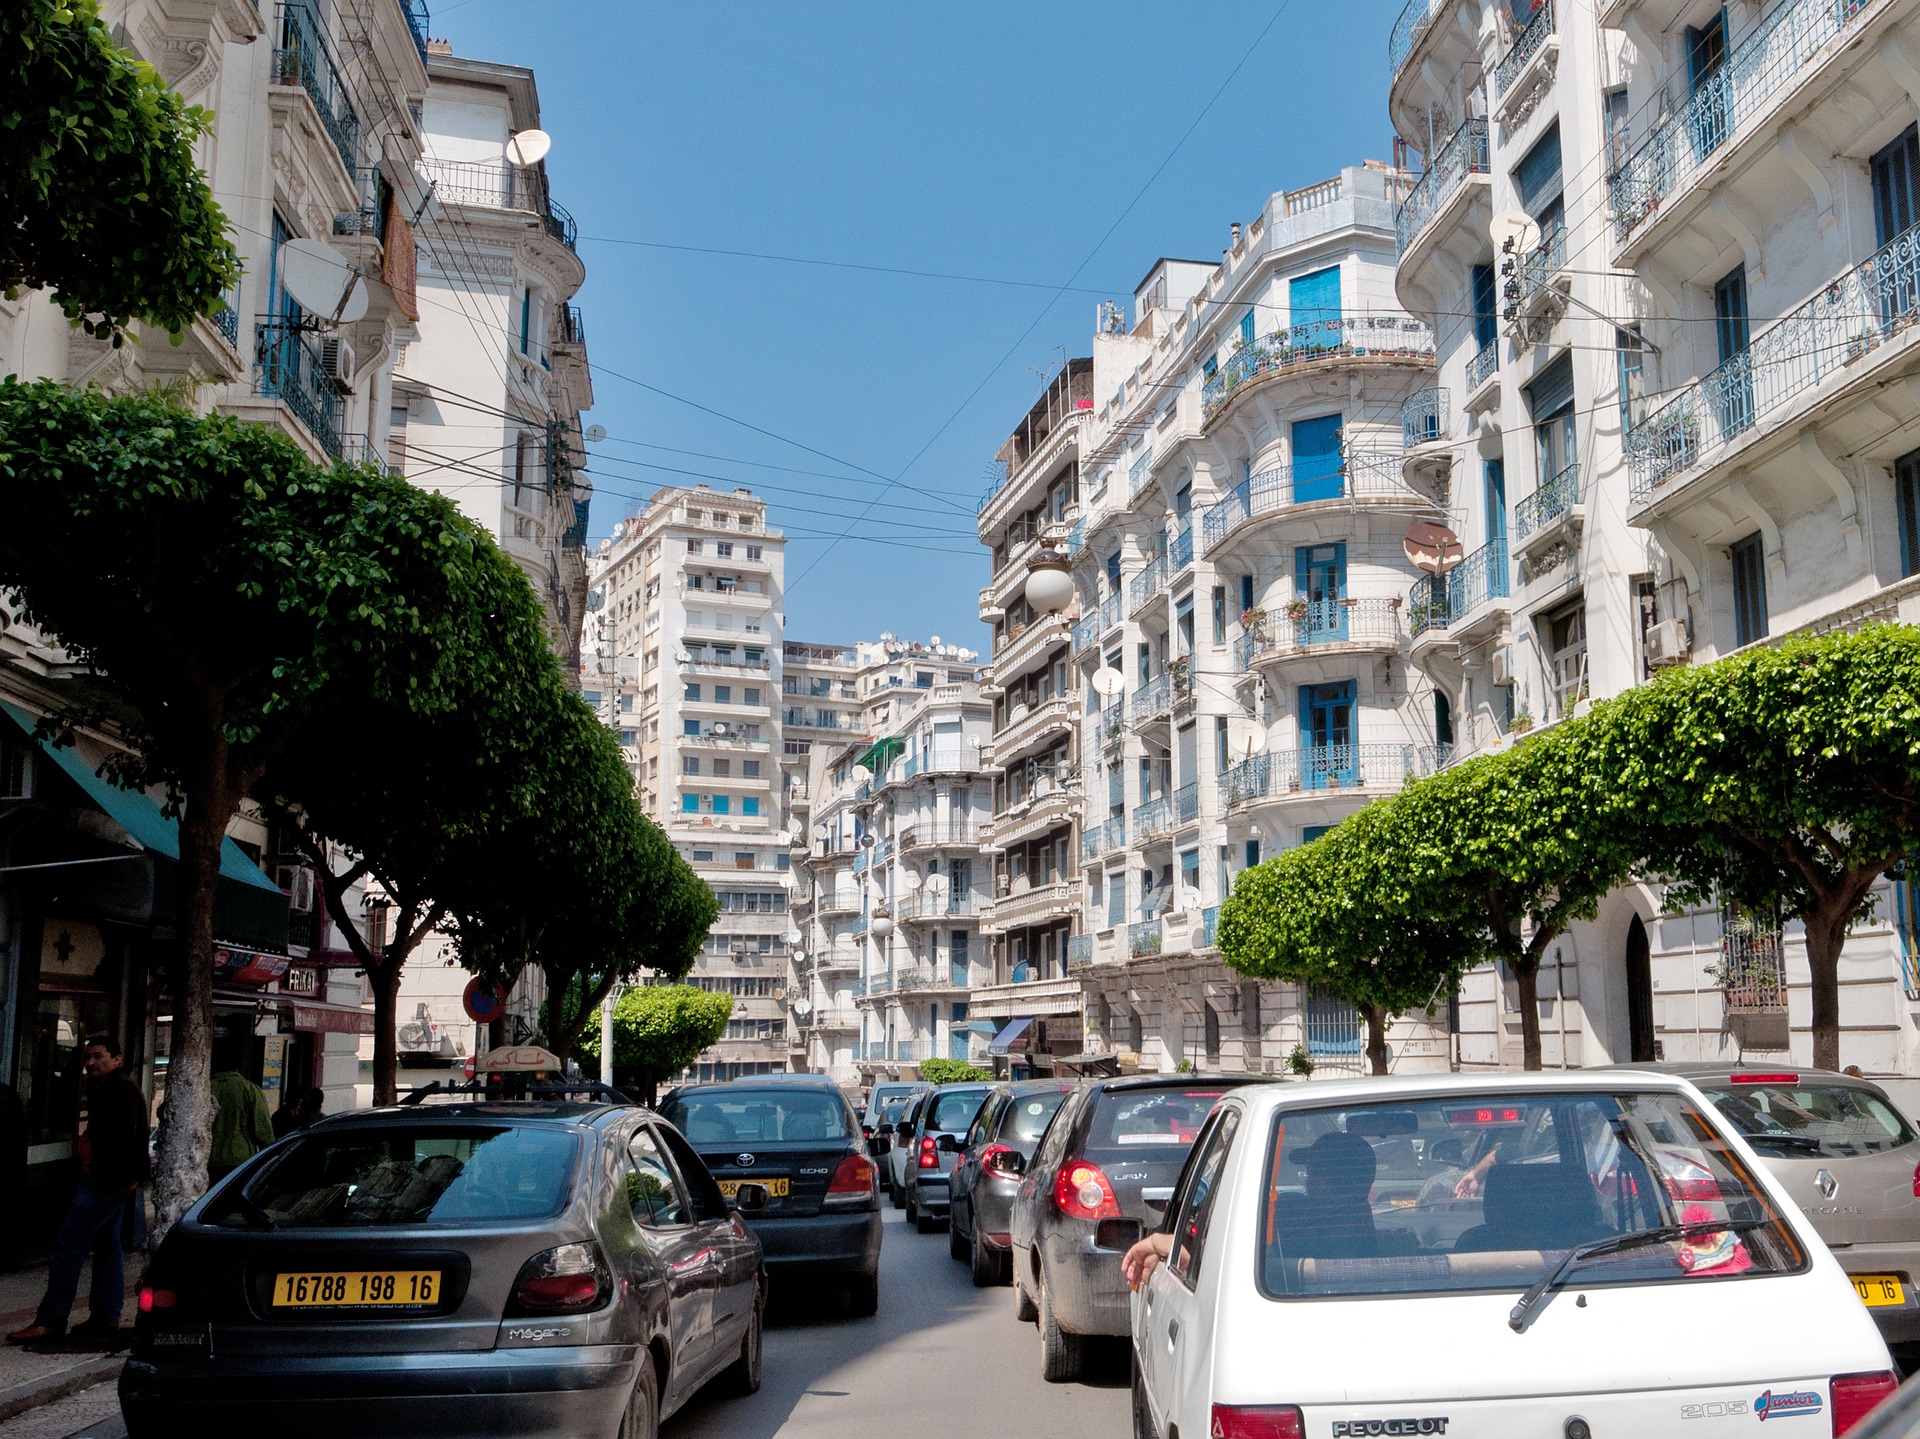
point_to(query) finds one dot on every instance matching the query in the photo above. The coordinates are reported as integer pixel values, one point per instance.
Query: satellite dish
(793, 936)
(1189, 898)
(973, 741)
(1109, 681)
(529, 147)
(937, 885)
(1433, 547)
(934, 641)
(1246, 737)
(323, 280)
(799, 953)
(1514, 232)
(803, 1007)
(595, 434)
(909, 879)
(596, 601)
(863, 771)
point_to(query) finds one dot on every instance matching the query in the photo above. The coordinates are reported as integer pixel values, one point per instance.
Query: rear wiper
(1544, 1286)
(1788, 1141)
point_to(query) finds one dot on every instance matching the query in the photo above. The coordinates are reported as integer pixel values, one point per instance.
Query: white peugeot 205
(1567, 1256)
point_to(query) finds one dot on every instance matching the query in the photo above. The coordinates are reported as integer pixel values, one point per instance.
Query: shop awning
(1014, 1036)
(882, 753)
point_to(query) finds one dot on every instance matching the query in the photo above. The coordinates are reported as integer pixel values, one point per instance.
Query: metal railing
(1540, 264)
(1324, 767)
(1414, 22)
(1079, 951)
(1555, 497)
(1464, 153)
(1483, 365)
(289, 367)
(1157, 696)
(996, 477)
(227, 321)
(301, 56)
(358, 450)
(1525, 46)
(1104, 838)
(1870, 305)
(1753, 972)
(1333, 1025)
(1306, 624)
(1438, 601)
(1186, 803)
(499, 185)
(1759, 71)
(1153, 817)
(1360, 475)
(417, 22)
(1113, 723)
(572, 328)
(1210, 927)
(1344, 337)
(1143, 938)
(1087, 632)
(1423, 416)
(1163, 571)
(1140, 475)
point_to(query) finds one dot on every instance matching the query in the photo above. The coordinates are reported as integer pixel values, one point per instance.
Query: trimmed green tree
(101, 198)
(658, 1030)
(952, 1071)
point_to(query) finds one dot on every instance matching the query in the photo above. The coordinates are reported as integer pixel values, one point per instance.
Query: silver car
(944, 1118)
(986, 1172)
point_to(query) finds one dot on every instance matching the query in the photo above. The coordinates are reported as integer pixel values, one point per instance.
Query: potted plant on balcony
(1253, 622)
(1521, 722)
(1182, 671)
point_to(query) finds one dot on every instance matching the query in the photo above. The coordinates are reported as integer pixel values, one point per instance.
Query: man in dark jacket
(113, 1162)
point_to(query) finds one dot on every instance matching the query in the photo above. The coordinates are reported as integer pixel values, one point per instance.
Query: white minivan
(1565, 1256)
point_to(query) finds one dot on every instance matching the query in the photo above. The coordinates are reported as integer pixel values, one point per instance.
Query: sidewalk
(29, 1379)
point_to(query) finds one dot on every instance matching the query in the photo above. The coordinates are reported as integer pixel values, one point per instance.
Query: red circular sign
(483, 1000)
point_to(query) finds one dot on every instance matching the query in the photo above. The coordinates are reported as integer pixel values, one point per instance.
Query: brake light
(152, 1299)
(1257, 1421)
(852, 1175)
(1764, 1079)
(1916, 1181)
(1856, 1395)
(569, 1279)
(995, 1157)
(1081, 1191)
(929, 1152)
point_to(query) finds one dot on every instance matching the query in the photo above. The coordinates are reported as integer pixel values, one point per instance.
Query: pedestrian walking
(113, 1162)
(242, 1126)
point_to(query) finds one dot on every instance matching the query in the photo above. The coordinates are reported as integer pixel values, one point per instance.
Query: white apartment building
(487, 399)
(1671, 420)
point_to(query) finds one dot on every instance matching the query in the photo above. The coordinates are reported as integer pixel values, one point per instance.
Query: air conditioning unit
(297, 881)
(1668, 643)
(1503, 665)
(337, 359)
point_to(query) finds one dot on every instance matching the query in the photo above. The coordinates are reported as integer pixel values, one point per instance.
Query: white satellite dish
(1189, 899)
(973, 741)
(793, 936)
(934, 641)
(910, 880)
(937, 885)
(1246, 737)
(595, 434)
(1514, 232)
(529, 147)
(863, 772)
(1109, 681)
(323, 280)
(799, 953)
(803, 1007)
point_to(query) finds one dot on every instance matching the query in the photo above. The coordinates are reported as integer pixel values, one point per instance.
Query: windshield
(953, 1111)
(391, 1175)
(1127, 1121)
(758, 1116)
(1490, 1192)
(1805, 1117)
(1028, 1115)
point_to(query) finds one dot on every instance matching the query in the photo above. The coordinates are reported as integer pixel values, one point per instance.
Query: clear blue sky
(985, 139)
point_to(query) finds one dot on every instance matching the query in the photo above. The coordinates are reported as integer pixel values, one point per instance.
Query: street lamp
(1050, 584)
(881, 925)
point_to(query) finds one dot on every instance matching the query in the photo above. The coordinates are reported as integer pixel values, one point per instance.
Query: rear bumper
(1088, 1292)
(829, 1243)
(501, 1394)
(930, 1191)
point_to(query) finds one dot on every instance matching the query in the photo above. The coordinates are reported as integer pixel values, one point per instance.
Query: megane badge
(1826, 1184)
(745, 1161)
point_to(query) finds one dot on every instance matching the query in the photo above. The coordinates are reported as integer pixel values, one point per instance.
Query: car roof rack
(589, 1090)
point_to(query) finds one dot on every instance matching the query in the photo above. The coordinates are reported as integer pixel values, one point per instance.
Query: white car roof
(1319, 1093)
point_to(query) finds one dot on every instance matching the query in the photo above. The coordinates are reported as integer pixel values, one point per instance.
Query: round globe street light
(1049, 584)
(881, 925)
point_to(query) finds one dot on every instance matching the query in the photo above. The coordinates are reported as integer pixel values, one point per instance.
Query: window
(1196, 1202)
(653, 1192)
(1246, 328)
(753, 552)
(1313, 305)
(1906, 503)
(693, 692)
(1613, 115)
(1222, 751)
(721, 804)
(629, 737)
(1252, 853)
(1116, 898)
(1566, 635)
(1633, 378)
(689, 804)
(1442, 718)
(1486, 323)
(1536, 179)
(1733, 333)
(1493, 477)
(690, 728)
(923, 679)
(690, 764)
(1550, 403)
(626, 704)
(1246, 593)
(750, 696)
(695, 547)
(723, 768)
(723, 549)
(1219, 614)
(1749, 590)
(750, 769)
(1896, 177)
(1317, 461)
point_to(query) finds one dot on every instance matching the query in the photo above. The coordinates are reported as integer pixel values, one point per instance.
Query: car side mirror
(881, 1131)
(947, 1144)
(1119, 1235)
(751, 1198)
(1012, 1164)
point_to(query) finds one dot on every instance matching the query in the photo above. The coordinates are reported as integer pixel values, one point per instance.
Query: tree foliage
(952, 1071)
(101, 198)
(658, 1030)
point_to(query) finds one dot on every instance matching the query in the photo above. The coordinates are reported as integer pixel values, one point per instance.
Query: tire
(1024, 1309)
(895, 1192)
(913, 1210)
(863, 1295)
(1142, 1415)
(742, 1377)
(1061, 1353)
(642, 1419)
(987, 1266)
(957, 1247)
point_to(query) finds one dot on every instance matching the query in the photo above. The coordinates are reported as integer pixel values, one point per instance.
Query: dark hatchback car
(1102, 1175)
(803, 1143)
(986, 1172)
(931, 1145)
(476, 1269)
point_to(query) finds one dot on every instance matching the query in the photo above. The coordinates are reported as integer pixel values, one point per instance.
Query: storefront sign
(247, 966)
(273, 1066)
(332, 1019)
(301, 979)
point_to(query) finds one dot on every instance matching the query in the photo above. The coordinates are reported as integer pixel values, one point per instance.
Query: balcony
(1415, 20)
(1038, 904)
(925, 908)
(1448, 602)
(1750, 84)
(1209, 936)
(1152, 818)
(1113, 725)
(1034, 816)
(1549, 509)
(1366, 478)
(1104, 838)
(919, 835)
(1848, 330)
(1307, 627)
(1025, 645)
(1307, 347)
(1525, 65)
(934, 760)
(1539, 276)
(498, 185)
(301, 56)
(1087, 632)
(748, 669)
(1423, 417)
(1144, 939)
(1330, 767)
(1464, 154)
(1027, 727)
(1481, 368)
(290, 366)
(1160, 575)
(1079, 952)
(1160, 696)
(939, 977)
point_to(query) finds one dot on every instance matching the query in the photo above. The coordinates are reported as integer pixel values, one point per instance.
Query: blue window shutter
(1246, 328)
(1316, 459)
(1496, 480)
(1314, 299)
(1246, 592)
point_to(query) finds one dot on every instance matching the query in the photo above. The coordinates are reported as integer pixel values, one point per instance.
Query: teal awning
(883, 753)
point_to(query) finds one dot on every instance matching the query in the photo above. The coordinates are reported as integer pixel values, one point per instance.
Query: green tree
(658, 1030)
(952, 1071)
(231, 601)
(1785, 777)
(101, 199)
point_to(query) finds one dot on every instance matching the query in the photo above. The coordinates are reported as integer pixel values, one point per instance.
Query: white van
(1590, 1256)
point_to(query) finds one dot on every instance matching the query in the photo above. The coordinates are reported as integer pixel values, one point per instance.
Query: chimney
(1236, 234)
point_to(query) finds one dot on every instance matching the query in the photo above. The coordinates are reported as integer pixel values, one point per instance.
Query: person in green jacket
(242, 1127)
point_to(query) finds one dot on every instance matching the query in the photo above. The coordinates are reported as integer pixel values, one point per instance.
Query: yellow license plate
(358, 1289)
(776, 1187)
(1879, 1290)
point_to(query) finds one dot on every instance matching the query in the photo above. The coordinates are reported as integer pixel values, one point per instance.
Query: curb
(19, 1398)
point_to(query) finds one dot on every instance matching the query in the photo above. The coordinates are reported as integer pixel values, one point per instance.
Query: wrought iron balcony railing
(1153, 817)
(1087, 632)
(572, 328)
(1841, 325)
(1344, 337)
(1540, 264)
(1525, 46)
(301, 56)
(226, 320)
(1559, 494)
(1186, 803)
(417, 22)
(1163, 571)
(1210, 927)
(1141, 474)
(1113, 723)
(289, 367)
(1143, 938)
(1079, 951)
(1423, 416)
(1439, 601)
(1359, 475)
(1464, 153)
(1481, 368)
(1308, 624)
(1324, 767)
(1413, 23)
(1760, 70)
(497, 185)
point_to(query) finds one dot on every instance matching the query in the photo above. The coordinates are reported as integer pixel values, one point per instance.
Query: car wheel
(1059, 1351)
(863, 1292)
(897, 1194)
(924, 1222)
(1142, 1416)
(1024, 1308)
(642, 1419)
(743, 1375)
(957, 1246)
(986, 1264)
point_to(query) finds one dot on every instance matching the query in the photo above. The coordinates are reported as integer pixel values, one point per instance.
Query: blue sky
(987, 139)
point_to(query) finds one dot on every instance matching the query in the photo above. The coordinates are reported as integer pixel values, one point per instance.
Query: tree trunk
(1376, 1038)
(186, 1126)
(384, 980)
(1826, 935)
(1526, 974)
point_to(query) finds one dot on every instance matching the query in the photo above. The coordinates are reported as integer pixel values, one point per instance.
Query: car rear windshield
(1491, 1191)
(465, 1174)
(1029, 1114)
(1805, 1117)
(1129, 1121)
(953, 1111)
(759, 1116)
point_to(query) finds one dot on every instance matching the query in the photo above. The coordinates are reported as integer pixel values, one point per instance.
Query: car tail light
(570, 1279)
(929, 1152)
(1081, 1191)
(152, 1299)
(1855, 1395)
(1257, 1421)
(995, 1157)
(852, 1184)
(1916, 1181)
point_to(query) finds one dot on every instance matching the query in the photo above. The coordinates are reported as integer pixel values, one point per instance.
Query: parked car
(896, 1133)
(1102, 1173)
(987, 1169)
(946, 1115)
(487, 1269)
(1633, 1269)
(1851, 1163)
(803, 1142)
(884, 1103)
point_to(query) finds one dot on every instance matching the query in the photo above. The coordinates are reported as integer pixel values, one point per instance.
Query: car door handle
(1173, 1332)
